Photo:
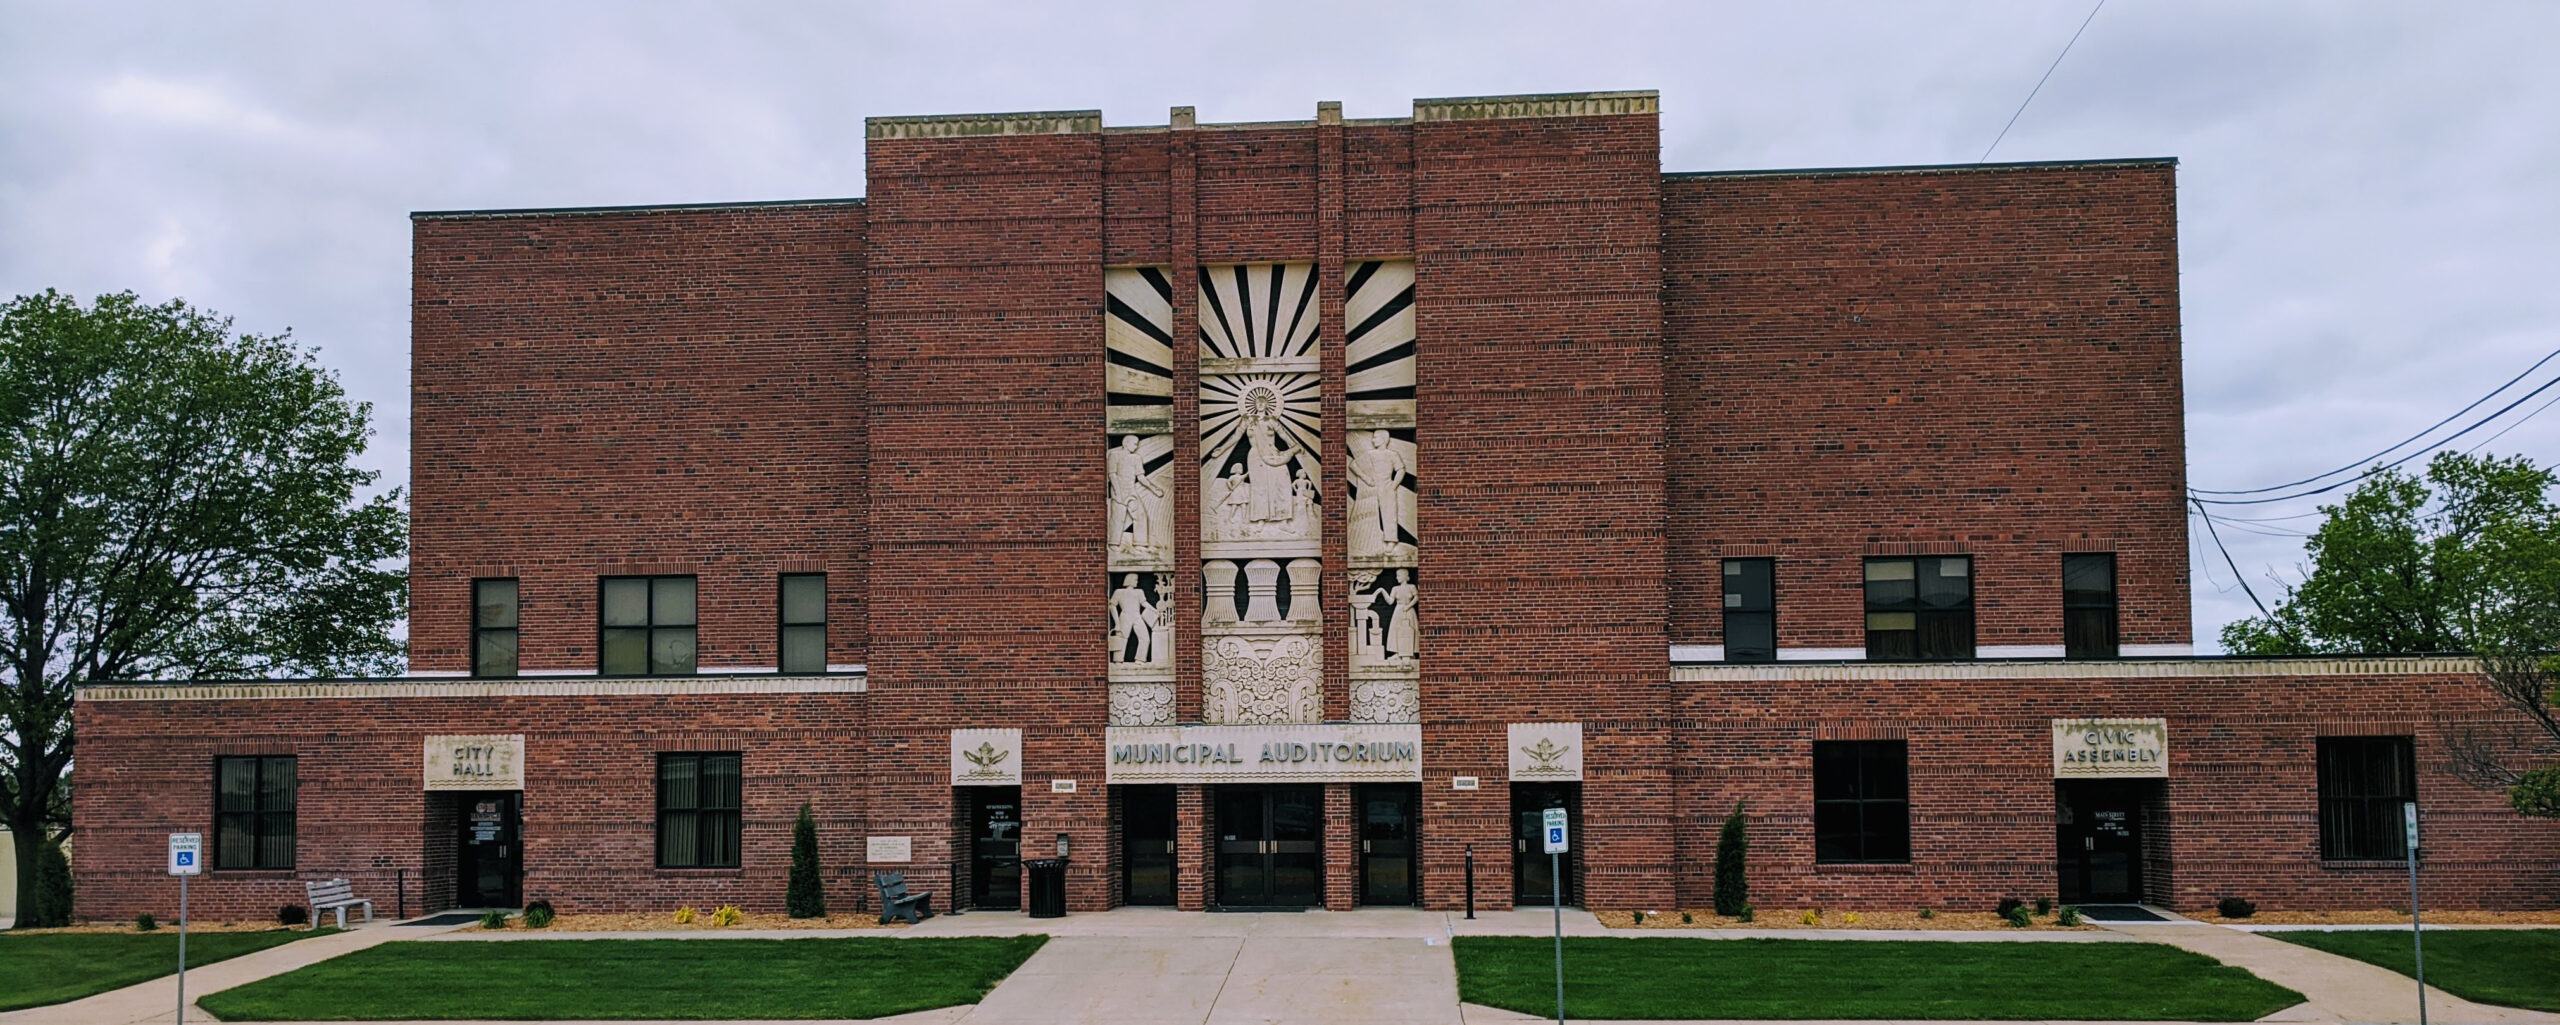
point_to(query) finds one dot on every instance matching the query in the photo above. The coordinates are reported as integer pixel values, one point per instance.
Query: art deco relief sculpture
(1259, 478)
(1138, 500)
(1252, 680)
(1382, 499)
(1141, 509)
(1384, 630)
(1381, 532)
(1141, 629)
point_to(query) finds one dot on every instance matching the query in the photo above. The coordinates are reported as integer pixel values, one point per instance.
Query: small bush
(1748, 913)
(1849, 918)
(2007, 905)
(144, 922)
(1639, 918)
(1686, 920)
(293, 914)
(494, 919)
(1928, 913)
(2044, 905)
(804, 896)
(2070, 917)
(1813, 917)
(727, 916)
(2019, 918)
(537, 915)
(50, 905)
(684, 916)
(1733, 856)
(2235, 907)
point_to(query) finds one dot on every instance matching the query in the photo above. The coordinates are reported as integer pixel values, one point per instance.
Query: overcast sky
(2369, 210)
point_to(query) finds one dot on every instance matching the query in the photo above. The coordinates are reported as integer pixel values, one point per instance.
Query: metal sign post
(186, 858)
(1555, 823)
(2417, 933)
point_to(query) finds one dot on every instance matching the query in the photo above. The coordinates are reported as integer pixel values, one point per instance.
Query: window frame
(650, 630)
(1725, 573)
(480, 632)
(262, 821)
(784, 625)
(2371, 818)
(2114, 625)
(1923, 619)
(705, 845)
(1864, 804)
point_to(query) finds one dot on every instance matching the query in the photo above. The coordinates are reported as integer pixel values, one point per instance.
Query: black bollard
(1471, 881)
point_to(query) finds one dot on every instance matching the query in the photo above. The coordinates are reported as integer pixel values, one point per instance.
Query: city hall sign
(1315, 753)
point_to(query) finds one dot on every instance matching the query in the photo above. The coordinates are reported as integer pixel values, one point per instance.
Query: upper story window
(1920, 608)
(645, 626)
(493, 627)
(1861, 801)
(2363, 783)
(804, 622)
(2089, 606)
(253, 812)
(1750, 610)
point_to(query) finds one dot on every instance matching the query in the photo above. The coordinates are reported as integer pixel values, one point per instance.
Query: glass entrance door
(489, 866)
(1387, 845)
(1146, 845)
(1533, 878)
(2098, 832)
(1270, 846)
(995, 848)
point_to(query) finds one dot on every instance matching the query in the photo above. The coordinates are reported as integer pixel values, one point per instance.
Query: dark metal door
(1387, 845)
(995, 847)
(1270, 846)
(489, 868)
(2098, 830)
(1146, 844)
(1533, 878)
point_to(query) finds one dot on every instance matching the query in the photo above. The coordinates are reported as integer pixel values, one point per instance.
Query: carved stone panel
(1146, 703)
(1140, 616)
(1378, 340)
(1386, 634)
(1259, 478)
(1386, 700)
(1141, 501)
(1265, 680)
(1385, 496)
(1258, 317)
(1137, 334)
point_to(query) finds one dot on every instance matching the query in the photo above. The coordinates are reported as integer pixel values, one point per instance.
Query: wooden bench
(335, 895)
(897, 904)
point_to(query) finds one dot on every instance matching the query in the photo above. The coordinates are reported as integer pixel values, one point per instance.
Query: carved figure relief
(1141, 498)
(1259, 478)
(1141, 624)
(1384, 496)
(1384, 630)
(1382, 469)
(1138, 456)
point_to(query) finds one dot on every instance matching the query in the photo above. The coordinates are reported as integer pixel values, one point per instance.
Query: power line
(2439, 446)
(2048, 73)
(2475, 404)
(2502, 432)
(2227, 561)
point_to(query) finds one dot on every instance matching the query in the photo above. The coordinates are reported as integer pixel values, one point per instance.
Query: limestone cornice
(2128, 669)
(1481, 108)
(955, 126)
(415, 687)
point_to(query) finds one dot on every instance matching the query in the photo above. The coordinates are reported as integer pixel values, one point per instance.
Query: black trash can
(1048, 887)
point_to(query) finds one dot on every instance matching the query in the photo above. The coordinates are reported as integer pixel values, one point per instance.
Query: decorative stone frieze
(1473, 108)
(948, 126)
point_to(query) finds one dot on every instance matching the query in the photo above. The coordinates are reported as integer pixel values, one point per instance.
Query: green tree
(176, 501)
(2465, 558)
(805, 897)
(1733, 885)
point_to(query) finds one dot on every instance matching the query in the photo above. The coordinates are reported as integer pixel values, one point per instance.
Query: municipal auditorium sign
(1328, 753)
(2110, 748)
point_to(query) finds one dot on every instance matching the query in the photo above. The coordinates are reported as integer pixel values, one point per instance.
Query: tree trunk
(28, 839)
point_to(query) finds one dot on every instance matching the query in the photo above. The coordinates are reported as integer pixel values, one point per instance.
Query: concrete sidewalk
(157, 1000)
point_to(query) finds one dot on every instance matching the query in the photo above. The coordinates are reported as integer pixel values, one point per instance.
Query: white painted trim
(2018, 651)
(2160, 669)
(1810, 654)
(1697, 653)
(855, 667)
(710, 670)
(619, 686)
(433, 674)
(555, 672)
(2157, 650)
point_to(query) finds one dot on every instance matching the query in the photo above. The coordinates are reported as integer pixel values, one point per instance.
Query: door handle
(1364, 846)
(2088, 843)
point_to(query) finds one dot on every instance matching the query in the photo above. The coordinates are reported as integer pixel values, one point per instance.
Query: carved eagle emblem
(1544, 753)
(986, 757)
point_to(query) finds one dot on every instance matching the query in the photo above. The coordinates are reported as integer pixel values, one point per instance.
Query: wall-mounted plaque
(1546, 751)
(2110, 748)
(889, 850)
(986, 758)
(1314, 753)
(480, 761)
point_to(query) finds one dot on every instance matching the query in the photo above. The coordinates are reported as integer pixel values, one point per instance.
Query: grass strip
(2507, 967)
(549, 980)
(1682, 977)
(49, 968)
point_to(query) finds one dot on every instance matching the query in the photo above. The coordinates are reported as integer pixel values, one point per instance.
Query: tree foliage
(805, 896)
(2465, 558)
(176, 501)
(1733, 849)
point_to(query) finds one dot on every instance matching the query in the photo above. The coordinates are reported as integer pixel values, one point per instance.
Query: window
(1920, 609)
(493, 628)
(698, 811)
(253, 812)
(2363, 783)
(1861, 801)
(1750, 610)
(804, 622)
(647, 626)
(2088, 606)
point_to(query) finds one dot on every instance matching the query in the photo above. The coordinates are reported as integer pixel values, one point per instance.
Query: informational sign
(1311, 753)
(186, 854)
(2409, 821)
(1546, 752)
(1465, 783)
(478, 761)
(986, 758)
(1062, 786)
(889, 850)
(1556, 839)
(2110, 748)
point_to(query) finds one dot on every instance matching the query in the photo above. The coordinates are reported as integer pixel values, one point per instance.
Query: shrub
(2235, 907)
(2007, 905)
(1928, 913)
(727, 916)
(2070, 917)
(1849, 918)
(1813, 917)
(805, 897)
(1748, 913)
(493, 919)
(1733, 848)
(144, 922)
(537, 915)
(684, 916)
(49, 906)
(292, 914)
(2018, 917)
(2044, 905)
(1639, 918)
(1686, 920)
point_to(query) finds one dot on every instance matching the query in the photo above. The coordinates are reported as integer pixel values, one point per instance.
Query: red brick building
(1279, 514)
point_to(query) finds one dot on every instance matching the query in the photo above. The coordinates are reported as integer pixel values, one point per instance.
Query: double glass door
(1270, 846)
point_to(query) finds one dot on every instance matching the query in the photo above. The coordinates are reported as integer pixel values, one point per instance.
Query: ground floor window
(2363, 783)
(253, 812)
(1861, 801)
(698, 810)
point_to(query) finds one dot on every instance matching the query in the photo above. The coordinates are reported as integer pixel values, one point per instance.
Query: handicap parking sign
(1555, 820)
(186, 854)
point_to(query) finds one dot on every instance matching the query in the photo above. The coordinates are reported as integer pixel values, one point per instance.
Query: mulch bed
(1793, 918)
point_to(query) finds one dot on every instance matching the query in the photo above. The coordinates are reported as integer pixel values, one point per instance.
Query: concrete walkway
(157, 1000)
(2340, 989)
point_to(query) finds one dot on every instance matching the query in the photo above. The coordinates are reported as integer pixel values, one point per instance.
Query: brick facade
(1624, 377)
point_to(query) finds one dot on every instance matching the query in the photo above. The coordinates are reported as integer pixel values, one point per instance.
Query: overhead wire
(2431, 428)
(2194, 496)
(2048, 73)
(2502, 432)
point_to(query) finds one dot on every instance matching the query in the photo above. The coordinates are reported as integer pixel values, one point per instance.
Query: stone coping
(433, 687)
(2114, 669)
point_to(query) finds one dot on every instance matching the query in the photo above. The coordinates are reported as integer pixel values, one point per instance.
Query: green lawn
(50, 968)
(2511, 967)
(862, 977)
(1708, 978)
